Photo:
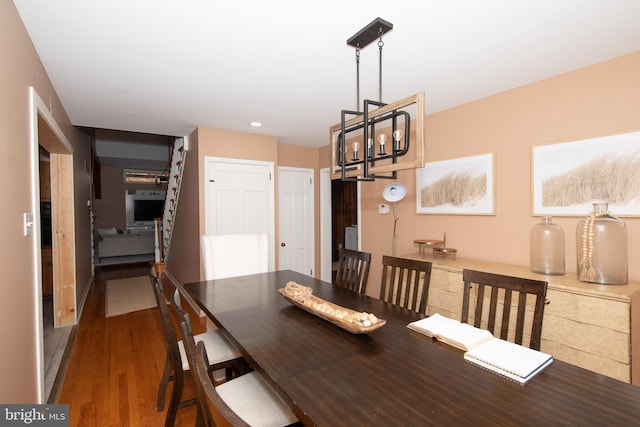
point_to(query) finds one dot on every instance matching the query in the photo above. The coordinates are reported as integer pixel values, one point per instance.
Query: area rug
(128, 295)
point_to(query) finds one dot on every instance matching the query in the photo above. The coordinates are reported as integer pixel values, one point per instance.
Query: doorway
(296, 234)
(344, 215)
(55, 183)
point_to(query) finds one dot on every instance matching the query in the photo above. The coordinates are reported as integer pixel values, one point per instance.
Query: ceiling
(168, 66)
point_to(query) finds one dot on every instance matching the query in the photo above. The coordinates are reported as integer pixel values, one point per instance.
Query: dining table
(392, 375)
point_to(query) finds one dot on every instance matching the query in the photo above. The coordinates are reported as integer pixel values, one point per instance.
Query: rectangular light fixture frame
(369, 170)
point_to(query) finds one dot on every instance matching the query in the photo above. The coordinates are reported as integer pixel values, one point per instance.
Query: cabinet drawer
(593, 362)
(608, 314)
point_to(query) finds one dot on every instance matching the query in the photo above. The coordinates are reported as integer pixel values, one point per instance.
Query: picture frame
(567, 178)
(461, 186)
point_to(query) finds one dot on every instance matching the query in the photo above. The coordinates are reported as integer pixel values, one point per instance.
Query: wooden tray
(354, 328)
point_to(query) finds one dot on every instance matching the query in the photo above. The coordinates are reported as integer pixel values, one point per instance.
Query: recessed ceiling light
(256, 124)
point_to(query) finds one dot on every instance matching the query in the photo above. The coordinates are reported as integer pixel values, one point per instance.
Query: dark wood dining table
(392, 376)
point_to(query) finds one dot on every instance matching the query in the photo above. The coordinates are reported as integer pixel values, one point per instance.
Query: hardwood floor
(116, 363)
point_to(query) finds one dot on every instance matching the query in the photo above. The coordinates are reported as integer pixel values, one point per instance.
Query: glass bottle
(601, 247)
(547, 248)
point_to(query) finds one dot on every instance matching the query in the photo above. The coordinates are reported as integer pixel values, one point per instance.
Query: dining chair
(224, 356)
(405, 282)
(229, 255)
(246, 400)
(353, 270)
(499, 292)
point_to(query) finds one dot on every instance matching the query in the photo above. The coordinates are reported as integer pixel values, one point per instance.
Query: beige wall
(21, 68)
(599, 100)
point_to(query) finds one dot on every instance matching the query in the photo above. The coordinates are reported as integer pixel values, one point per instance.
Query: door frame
(326, 222)
(63, 215)
(325, 225)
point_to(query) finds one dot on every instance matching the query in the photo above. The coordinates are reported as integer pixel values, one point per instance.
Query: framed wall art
(569, 177)
(462, 186)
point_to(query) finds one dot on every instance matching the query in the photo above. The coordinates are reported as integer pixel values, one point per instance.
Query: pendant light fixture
(368, 143)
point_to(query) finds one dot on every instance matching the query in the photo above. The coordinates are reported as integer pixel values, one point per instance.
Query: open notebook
(452, 332)
(505, 358)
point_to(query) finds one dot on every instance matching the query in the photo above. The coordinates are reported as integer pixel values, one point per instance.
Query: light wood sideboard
(589, 325)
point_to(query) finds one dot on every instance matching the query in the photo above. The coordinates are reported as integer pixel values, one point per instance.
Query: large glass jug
(547, 247)
(601, 247)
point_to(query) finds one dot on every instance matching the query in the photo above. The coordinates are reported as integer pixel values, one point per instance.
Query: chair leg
(164, 382)
(174, 402)
(200, 416)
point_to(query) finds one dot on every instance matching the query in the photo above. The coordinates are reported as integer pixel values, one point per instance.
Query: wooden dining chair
(353, 270)
(405, 282)
(246, 400)
(225, 356)
(499, 292)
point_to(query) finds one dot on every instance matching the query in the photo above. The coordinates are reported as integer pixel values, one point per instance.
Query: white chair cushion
(229, 255)
(110, 231)
(219, 349)
(251, 398)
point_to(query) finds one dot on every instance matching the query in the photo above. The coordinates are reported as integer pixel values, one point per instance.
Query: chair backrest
(182, 315)
(499, 299)
(171, 339)
(229, 255)
(190, 350)
(215, 411)
(353, 270)
(405, 282)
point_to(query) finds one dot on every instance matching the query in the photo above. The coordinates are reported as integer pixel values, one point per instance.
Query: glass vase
(601, 247)
(547, 248)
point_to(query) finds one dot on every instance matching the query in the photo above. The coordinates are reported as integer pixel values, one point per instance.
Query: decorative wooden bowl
(355, 327)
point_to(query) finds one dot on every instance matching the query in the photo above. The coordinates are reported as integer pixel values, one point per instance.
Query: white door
(295, 220)
(239, 198)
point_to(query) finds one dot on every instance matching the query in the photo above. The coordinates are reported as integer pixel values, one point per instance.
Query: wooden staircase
(164, 227)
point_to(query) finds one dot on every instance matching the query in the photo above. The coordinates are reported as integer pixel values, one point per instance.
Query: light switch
(28, 223)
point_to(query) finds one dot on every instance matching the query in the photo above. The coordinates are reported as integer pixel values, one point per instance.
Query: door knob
(283, 244)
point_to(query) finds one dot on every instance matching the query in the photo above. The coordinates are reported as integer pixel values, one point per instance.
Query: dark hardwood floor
(116, 363)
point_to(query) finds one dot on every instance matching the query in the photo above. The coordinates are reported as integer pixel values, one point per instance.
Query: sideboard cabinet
(589, 325)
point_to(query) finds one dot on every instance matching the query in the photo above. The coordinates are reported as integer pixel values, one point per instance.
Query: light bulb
(355, 146)
(397, 135)
(382, 138)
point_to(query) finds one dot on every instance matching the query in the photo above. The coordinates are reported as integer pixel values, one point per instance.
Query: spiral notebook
(508, 359)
